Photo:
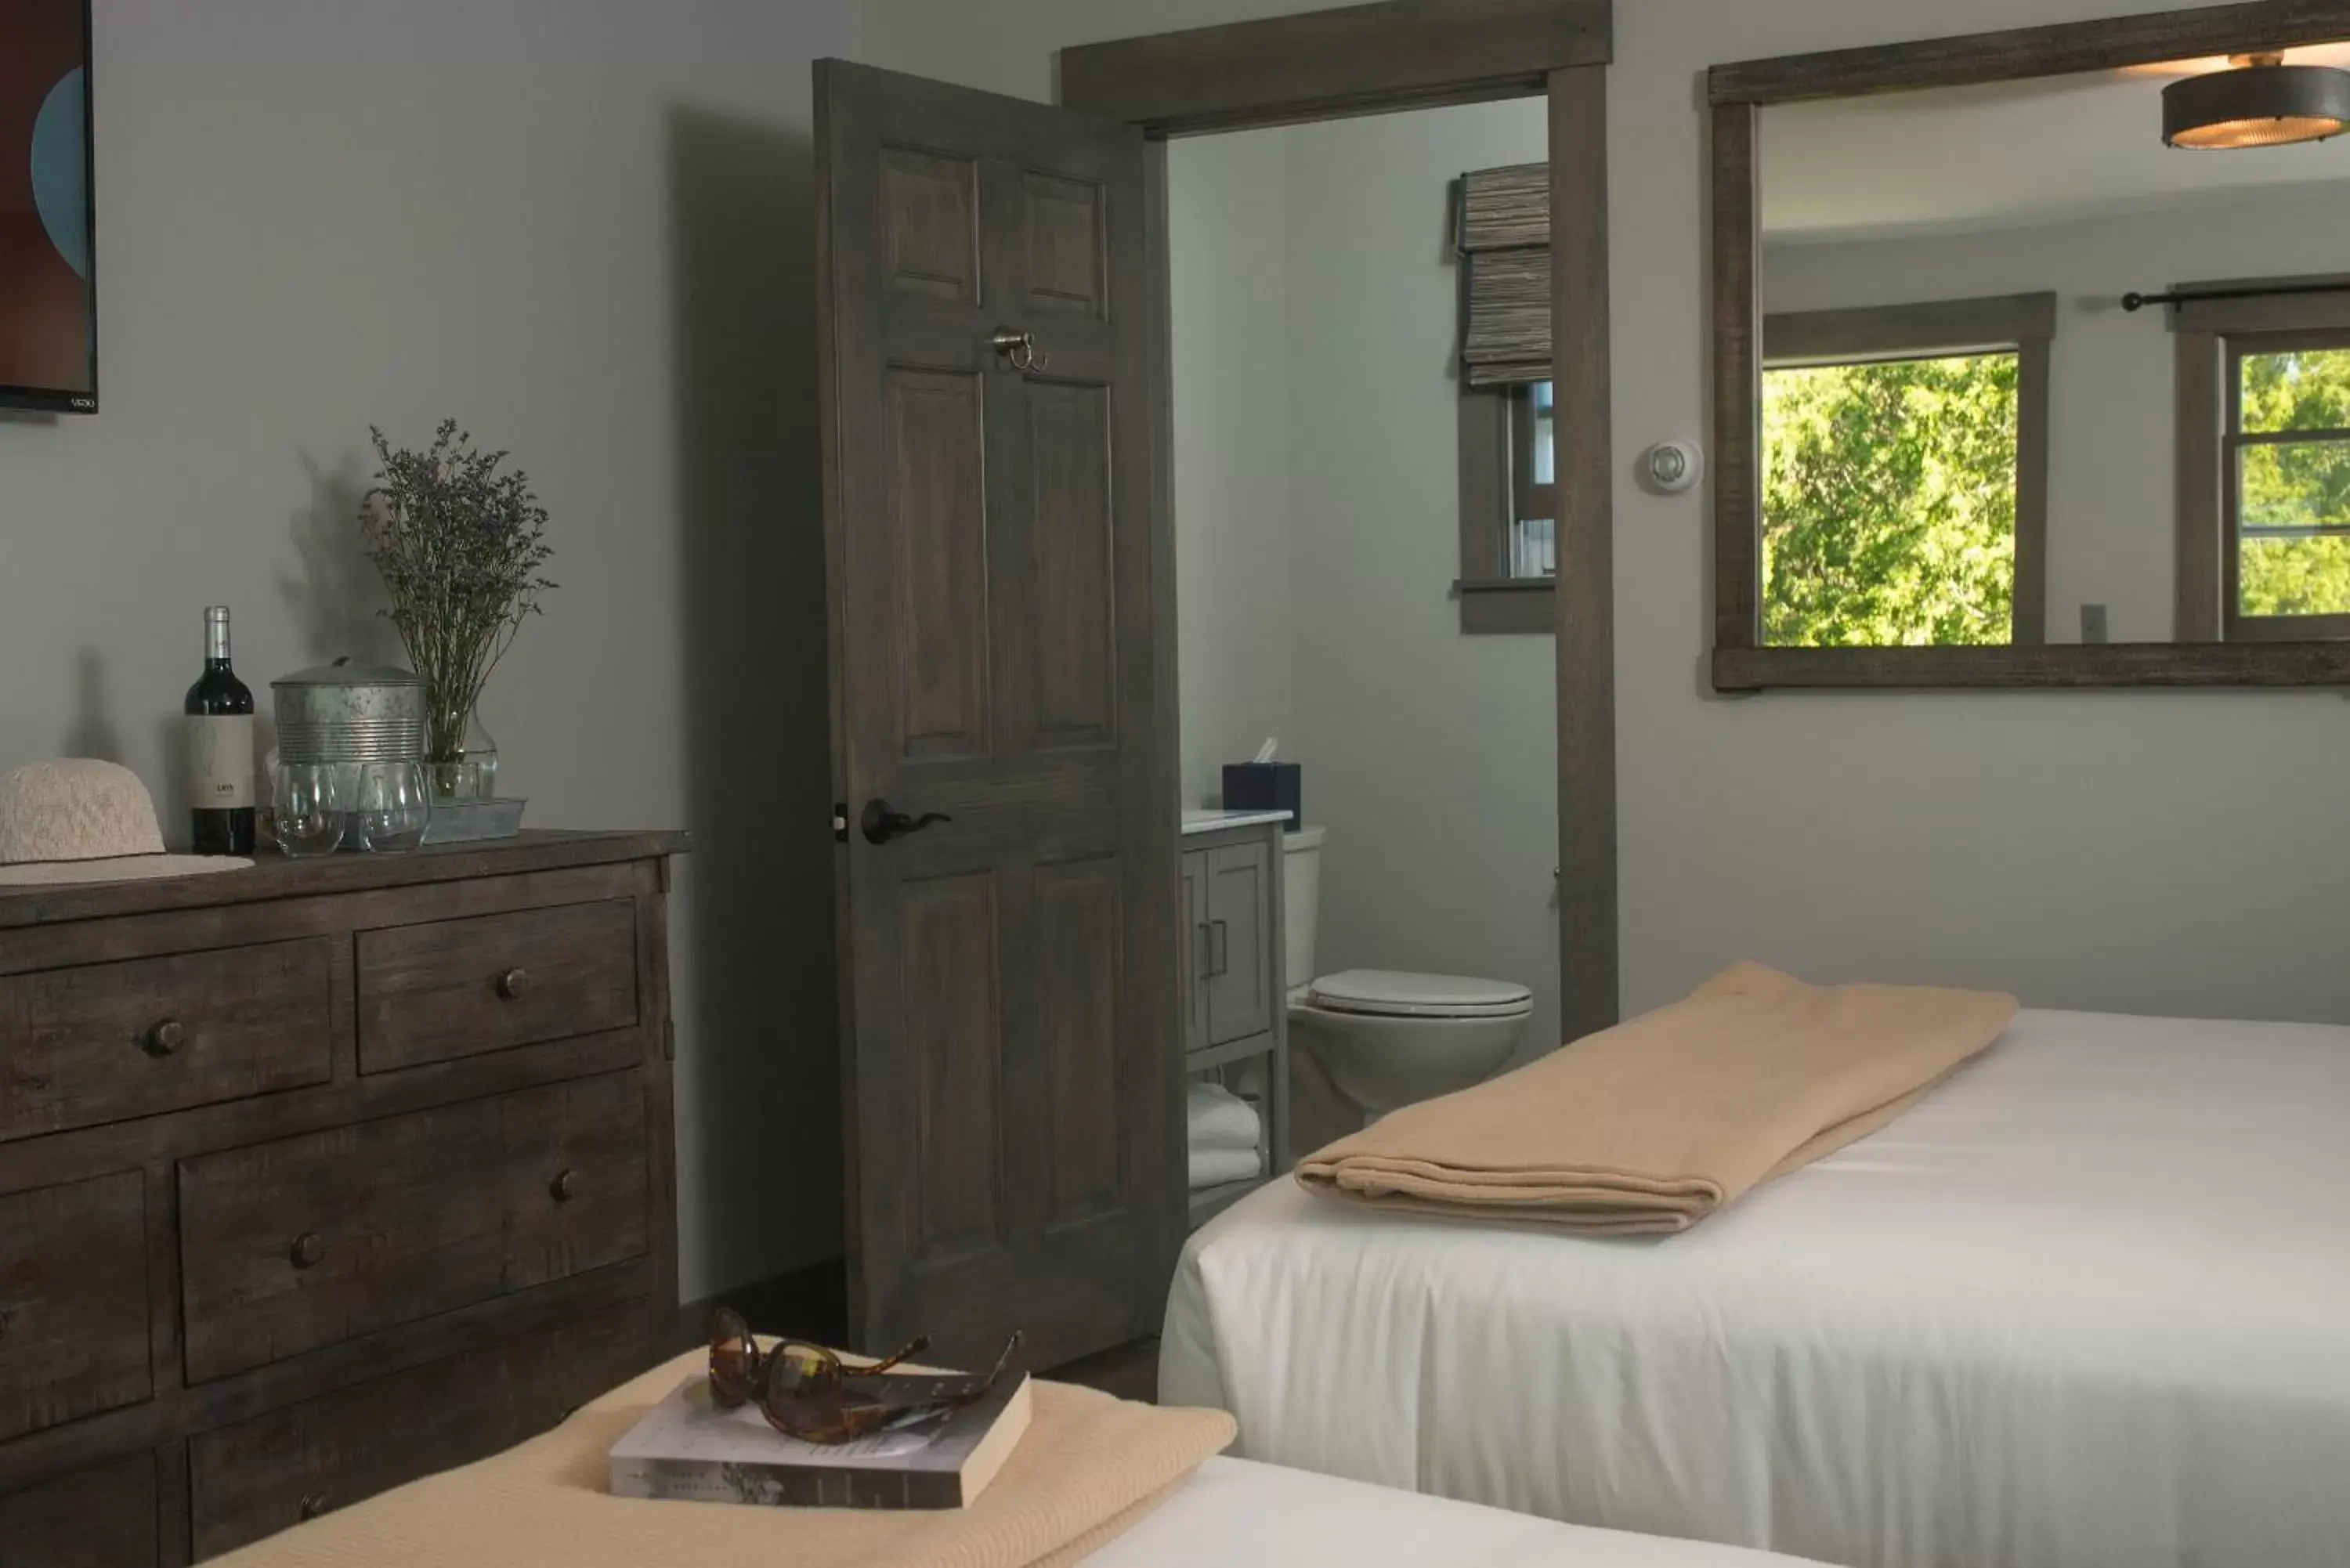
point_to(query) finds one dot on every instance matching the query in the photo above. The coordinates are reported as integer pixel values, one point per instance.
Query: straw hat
(86, 821)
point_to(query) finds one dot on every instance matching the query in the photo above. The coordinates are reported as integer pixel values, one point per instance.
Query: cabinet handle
(513, 984)
(1224, 943)
(313, 1504)
(166, 1037)
(1203, 952)
(309, 1250)
(565, 1186)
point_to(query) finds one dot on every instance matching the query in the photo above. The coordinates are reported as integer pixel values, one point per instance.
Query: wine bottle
(220, 748)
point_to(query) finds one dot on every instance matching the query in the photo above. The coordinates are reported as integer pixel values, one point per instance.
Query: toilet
(1388, 1038)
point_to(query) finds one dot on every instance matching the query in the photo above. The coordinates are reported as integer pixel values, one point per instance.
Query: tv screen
(48, 301)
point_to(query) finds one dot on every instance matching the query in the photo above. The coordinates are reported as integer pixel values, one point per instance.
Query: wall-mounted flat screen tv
(48, 295)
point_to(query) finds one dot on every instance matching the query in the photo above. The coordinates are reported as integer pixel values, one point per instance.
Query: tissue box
(1266, 787)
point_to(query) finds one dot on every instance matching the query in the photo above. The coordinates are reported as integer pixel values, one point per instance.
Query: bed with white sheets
(2086, 1305)
(1235, 1513)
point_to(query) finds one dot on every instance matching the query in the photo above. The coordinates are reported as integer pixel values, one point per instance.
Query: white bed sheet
(1236, 1513)
(2088, 1305)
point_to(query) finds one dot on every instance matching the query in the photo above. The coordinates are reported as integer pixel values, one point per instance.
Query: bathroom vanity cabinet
(1234, 1009)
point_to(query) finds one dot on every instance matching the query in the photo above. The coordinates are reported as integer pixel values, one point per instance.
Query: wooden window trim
(1497, 490)
(2022, 323)
(1736, 94)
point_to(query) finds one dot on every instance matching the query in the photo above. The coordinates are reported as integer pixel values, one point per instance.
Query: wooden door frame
(1423, 54)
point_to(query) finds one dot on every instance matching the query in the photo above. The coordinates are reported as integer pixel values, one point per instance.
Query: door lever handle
(880, 824)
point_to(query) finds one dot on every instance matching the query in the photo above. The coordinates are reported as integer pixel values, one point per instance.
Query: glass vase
(472, 771)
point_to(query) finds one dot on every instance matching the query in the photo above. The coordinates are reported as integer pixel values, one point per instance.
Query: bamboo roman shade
(1503, 233)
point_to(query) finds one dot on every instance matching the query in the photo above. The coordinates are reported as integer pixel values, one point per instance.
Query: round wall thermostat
(1672, 467)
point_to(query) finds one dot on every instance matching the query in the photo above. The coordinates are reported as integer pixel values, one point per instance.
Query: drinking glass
(307, 806)
(395, 803)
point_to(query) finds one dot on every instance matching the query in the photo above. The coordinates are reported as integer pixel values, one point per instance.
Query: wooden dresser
(318, 1176)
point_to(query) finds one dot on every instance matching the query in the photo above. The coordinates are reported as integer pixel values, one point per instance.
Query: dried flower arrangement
(460, 547)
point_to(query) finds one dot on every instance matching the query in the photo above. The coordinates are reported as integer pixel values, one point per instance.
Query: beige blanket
(1653, 1125)
(1088, 1467)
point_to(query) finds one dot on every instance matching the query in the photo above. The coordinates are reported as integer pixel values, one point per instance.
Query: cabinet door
(1239, 960)
(1195, 951)
(271, 1472)
(101, 1518)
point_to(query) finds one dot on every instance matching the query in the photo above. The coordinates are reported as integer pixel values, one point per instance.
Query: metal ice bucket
(345, 712)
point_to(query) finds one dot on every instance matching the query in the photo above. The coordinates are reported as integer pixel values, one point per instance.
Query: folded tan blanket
(1653, 1125)
(1088, 1467)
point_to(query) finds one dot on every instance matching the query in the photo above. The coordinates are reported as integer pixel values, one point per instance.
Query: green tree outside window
(1888, 502)
(2294, 495)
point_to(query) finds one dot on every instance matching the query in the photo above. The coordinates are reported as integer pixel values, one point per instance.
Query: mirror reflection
(2060, 360)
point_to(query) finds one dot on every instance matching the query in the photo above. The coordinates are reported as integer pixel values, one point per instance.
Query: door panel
(1066, 247)
(1078, 924)
(1074, 580)
(1239, 898)
(938, 534)
(953, 1023)
(996, 556)
(933, 207)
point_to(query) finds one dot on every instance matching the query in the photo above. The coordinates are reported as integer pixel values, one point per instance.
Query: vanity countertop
(1213, 821)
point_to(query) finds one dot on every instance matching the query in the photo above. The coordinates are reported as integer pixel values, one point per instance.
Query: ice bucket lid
(343, 672)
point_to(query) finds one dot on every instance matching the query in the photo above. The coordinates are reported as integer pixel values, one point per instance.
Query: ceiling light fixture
(2262, 103)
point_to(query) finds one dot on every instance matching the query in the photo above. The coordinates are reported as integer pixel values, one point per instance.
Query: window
(1904, 474)
(2263, 390)
(1509, 508)
(1533, 482)
(2286, 474)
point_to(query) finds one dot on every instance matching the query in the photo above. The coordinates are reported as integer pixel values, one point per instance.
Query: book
(687, 1449)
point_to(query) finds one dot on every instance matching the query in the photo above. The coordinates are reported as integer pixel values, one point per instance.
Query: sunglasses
(807, 1391)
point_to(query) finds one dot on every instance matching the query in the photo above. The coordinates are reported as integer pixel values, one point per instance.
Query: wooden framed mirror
(2018, 382)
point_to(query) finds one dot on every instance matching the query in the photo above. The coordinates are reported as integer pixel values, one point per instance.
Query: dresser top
(274, 875)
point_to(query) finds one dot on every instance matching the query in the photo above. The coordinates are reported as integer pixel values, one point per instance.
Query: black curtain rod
(2261, 291)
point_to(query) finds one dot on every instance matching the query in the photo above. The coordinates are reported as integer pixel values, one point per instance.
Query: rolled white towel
(1215, 1166)
(1220, 1119)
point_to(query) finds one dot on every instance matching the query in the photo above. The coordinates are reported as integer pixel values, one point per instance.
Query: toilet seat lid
(1391, 993)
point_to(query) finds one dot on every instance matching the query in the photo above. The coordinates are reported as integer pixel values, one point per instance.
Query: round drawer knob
(314, 1504)
(512, 984)
(565, 1186)
(309, 1250)
(167, 1038)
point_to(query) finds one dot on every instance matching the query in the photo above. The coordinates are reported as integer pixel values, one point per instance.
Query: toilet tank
(1301, 895)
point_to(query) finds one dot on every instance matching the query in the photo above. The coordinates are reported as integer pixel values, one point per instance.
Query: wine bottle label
(220, 761)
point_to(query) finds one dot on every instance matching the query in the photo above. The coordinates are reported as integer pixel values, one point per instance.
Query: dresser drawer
(104, 1042)
(291, 1245)
(105, 1517)
(73, 1302)
(261, 1476)
(458, 988)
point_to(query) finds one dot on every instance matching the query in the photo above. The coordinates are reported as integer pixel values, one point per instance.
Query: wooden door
(1000, 583)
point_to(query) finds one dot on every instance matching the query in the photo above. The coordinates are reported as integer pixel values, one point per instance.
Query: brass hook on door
(1018, 349)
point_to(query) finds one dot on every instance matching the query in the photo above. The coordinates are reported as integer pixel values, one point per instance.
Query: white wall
(2175, 851)
(1427, 753)
(2111, 511)
(582, 229)
(1227, 242)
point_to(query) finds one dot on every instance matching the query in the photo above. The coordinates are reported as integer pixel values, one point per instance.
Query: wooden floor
(812, 1304)
(1128, 1371)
